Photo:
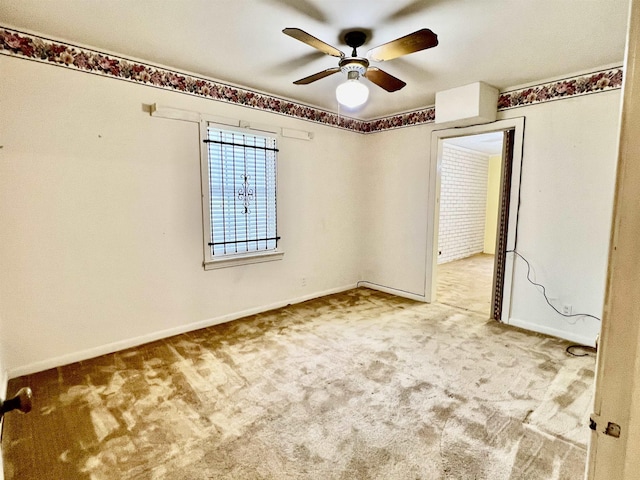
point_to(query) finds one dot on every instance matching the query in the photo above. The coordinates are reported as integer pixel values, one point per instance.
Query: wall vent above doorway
(471, 104)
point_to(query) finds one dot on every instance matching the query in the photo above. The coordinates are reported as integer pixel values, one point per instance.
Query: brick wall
(463, 201)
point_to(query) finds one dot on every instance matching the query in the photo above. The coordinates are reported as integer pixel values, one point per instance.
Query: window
(239, 197)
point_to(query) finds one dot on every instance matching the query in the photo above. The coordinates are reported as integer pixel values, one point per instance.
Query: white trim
(4, 381)
(393, 291)
(204, 193)
(151, 337)
(161, 111)
(554, 332)
(260, 127)
(299, 134)
(210, 262)
(512, 229)
(248, 259)
(231, 122)
(433, 203)
(240, 126)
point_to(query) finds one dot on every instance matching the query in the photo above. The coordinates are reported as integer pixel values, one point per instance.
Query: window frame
(212, 262)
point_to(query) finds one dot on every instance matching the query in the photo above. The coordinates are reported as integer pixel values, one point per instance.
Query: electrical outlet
(566, 309)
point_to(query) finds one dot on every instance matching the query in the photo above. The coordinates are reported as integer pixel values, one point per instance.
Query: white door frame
(433, 203)
(615, 439)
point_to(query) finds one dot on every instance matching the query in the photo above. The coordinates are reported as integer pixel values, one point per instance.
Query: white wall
(101, 224)
(493, 200)
(566, 200)
(100, 216)
(568, 178)
(463, 202)
(397, 180)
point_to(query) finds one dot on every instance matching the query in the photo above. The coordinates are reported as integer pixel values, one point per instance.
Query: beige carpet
(360, 385)
(466, 283)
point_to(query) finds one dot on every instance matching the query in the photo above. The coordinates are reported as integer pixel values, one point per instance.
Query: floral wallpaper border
(33, 47)
(570, 87)
(40, 49)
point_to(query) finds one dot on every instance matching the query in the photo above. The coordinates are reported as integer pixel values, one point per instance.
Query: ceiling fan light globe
(352, 93)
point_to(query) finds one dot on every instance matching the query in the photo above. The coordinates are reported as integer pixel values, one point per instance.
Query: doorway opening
(475, 175)
(470, 171)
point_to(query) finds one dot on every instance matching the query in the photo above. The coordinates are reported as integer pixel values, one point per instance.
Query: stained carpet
(466, 283)
(358, 385)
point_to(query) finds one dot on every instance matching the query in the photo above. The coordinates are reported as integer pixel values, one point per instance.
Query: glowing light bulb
(352, 93)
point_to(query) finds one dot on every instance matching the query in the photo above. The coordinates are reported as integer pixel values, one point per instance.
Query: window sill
(246, 259)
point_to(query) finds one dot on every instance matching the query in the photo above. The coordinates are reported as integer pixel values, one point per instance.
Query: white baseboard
(393, 291)
(4, 381)
(554, 332)
(151, 337)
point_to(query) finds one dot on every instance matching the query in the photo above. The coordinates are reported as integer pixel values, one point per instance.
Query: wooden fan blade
(384, 79)
(313, 41)
(317, 76)
(414, 42)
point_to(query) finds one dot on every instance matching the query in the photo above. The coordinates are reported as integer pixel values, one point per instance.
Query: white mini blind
(242, 191)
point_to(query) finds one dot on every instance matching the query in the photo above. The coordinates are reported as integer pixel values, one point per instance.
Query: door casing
(433, 203)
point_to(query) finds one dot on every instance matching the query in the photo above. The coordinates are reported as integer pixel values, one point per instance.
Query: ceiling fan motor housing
(353, 64)
(355, 39)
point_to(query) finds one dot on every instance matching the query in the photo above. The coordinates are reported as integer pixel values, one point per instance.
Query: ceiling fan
(353, 93)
